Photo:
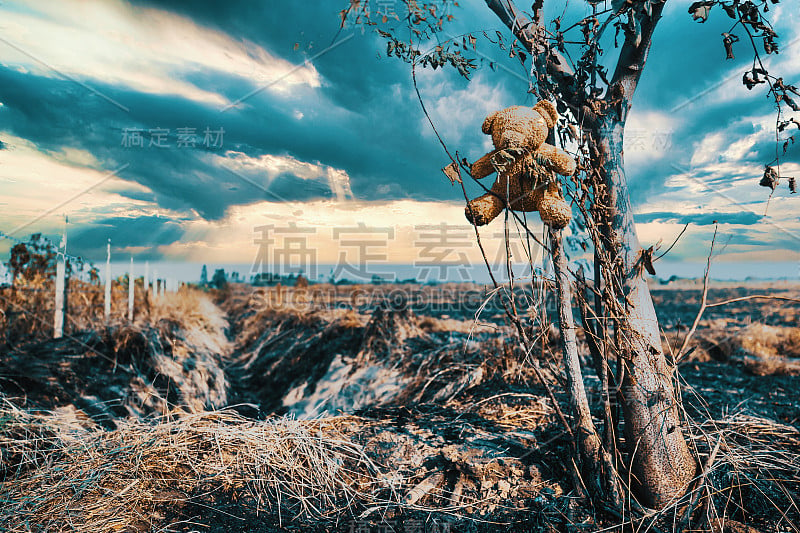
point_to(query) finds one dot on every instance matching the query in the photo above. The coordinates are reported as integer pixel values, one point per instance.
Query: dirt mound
(340, 360)
(126, 370)
(762, 350)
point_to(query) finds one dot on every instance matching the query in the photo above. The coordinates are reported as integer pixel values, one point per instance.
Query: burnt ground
(464, 410)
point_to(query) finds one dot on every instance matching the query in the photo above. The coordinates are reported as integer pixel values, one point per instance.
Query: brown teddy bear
(524, 163)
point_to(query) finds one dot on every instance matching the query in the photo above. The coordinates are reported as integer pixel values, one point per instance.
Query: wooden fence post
(146, 279)
(61, 272)
(107, 309)
(131, 291)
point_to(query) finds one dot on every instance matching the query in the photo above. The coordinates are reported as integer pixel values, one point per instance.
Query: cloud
(143, 49)
(458, 107)
(271, 167)
(36, 183)
(700, 219)
(142, 235)
(326, 227)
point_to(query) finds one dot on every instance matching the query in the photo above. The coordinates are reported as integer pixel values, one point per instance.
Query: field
(365, 408)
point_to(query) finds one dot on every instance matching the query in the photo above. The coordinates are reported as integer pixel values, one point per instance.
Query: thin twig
(703, 302)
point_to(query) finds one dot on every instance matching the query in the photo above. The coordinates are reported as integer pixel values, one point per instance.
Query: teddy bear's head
(521, 127)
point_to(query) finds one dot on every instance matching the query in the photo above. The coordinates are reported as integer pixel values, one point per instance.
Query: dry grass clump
(26, 311)
(194, 311)
(768, 350)
(763, 350)
(750, 480)
(755, 475)
(27, 439)
(451, 325)
(141, 369)
(135, 477)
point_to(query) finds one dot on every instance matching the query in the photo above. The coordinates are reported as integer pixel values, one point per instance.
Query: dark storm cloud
(364, 119)
(368, 120)
(144, 231)
(700, 219)
(55, 114)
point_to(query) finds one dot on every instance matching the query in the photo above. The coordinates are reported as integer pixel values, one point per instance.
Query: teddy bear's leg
(555, 159)
(483, 166)
(553, 208)
(484, 209)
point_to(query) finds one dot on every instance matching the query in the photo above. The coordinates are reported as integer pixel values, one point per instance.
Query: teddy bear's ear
(487, 123)
(548, 111)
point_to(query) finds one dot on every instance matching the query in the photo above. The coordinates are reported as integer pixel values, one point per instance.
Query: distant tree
(94, 276)
(37, 257)
(204, 276)
(18, 261)
(219, 280)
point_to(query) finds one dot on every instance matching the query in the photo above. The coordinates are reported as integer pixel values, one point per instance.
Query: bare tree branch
(532, 36)
(632, 58)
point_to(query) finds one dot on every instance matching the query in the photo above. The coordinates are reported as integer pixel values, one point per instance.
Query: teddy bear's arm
(483, 166)
(555, 159)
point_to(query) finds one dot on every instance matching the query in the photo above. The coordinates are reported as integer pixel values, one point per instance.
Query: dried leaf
(749, 12)
(730, 9)
(699, 10)
(770, 178)
(647, 261)
(752, 81)
(770, 46)
(453, 173)
(727, 41)
(792, 185)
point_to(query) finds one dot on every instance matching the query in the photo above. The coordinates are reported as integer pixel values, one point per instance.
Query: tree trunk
(587, 440)
(660, 461)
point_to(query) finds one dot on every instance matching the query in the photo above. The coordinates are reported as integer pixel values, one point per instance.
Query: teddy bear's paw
(483, 209)
(553, 209)
(483, 166)
(555, 159)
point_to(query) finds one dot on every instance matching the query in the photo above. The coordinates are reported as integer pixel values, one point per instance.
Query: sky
(258, 134)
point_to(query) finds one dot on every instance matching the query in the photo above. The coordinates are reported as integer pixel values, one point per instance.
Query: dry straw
(58, 477)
